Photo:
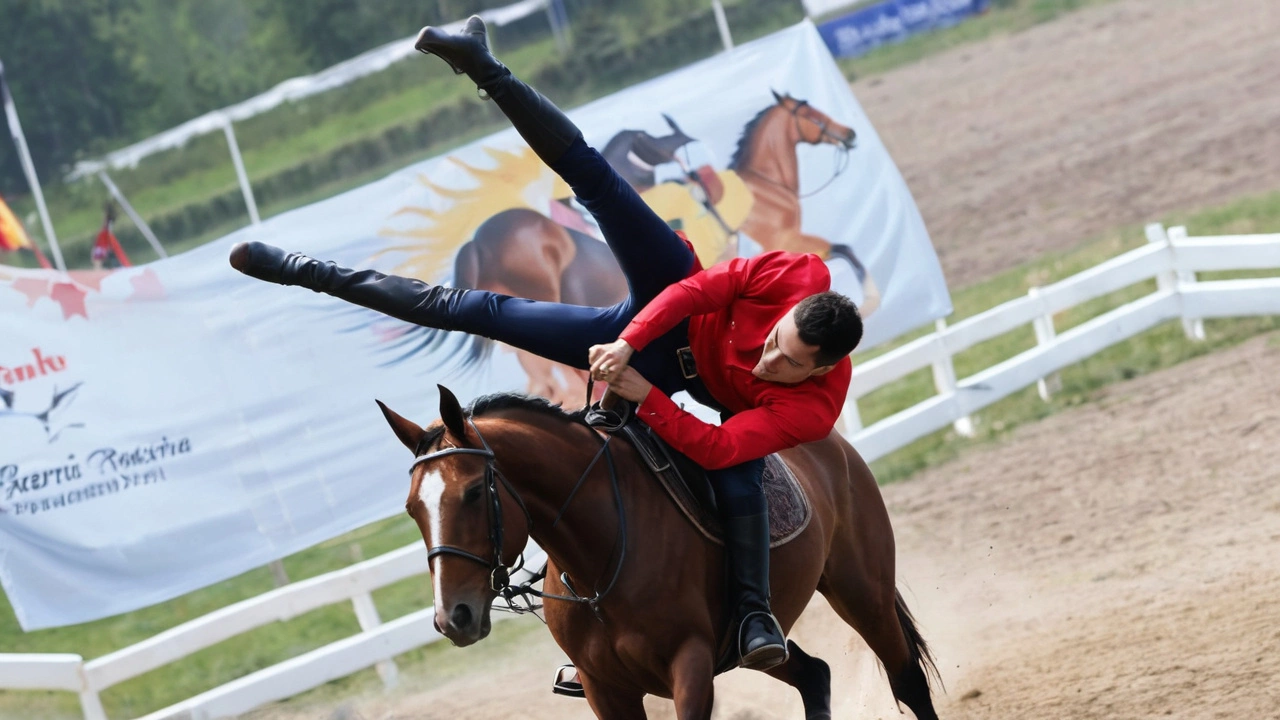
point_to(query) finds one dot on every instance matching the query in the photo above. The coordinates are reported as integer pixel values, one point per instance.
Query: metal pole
(24, 156)
(236, 160)
(723, 24)
(557, 28)
(133, 215)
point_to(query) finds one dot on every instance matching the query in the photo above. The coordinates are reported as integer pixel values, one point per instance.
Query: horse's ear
(408, 432)
(776, 96)
(451, 413)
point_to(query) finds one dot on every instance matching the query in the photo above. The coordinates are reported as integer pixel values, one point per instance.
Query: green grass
(1003, 17)
(228, 660)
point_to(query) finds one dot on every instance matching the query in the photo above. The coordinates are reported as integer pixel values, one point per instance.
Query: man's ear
(823, 370)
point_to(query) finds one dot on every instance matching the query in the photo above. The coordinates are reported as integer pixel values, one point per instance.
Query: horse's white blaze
(430, 492)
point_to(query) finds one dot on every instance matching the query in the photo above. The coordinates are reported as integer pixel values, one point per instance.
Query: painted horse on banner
(633, 591)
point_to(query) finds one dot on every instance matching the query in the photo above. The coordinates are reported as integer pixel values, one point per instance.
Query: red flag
(106, 242)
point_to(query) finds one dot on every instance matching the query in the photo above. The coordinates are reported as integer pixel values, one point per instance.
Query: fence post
(944, 376)
(90, 703)
(245, 188)
(1193, 327)
(367, 615)
(723, 23)
(851, 418)
(1045, 335)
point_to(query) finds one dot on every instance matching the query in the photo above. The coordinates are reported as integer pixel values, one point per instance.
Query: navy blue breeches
(652, 257)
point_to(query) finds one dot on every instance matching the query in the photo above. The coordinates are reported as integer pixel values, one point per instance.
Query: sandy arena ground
(1118, 560)
(1110, 116)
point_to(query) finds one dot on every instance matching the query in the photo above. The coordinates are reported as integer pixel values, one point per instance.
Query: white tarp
(167, 426)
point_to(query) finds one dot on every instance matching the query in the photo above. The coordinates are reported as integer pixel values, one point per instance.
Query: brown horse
(633, 591)
(524, 253)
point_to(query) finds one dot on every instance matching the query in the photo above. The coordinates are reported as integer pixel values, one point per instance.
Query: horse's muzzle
(464, 625)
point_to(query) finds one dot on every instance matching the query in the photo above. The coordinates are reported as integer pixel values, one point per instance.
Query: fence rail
(1171, 258)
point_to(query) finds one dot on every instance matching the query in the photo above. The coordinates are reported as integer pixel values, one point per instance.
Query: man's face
(787, 359)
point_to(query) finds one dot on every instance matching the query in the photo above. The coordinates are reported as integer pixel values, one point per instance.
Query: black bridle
(499, 573)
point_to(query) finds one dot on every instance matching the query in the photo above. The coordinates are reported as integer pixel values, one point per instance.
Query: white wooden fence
(1172, 259)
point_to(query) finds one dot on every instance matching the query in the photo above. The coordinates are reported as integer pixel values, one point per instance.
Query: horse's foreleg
(811, 676)
(610, 702)
(692, 687)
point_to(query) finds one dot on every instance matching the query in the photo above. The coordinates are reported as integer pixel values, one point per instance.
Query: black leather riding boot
(402, 298)
(547, 130)
(760, 639)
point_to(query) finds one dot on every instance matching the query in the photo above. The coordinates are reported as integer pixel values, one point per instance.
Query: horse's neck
(552, 462)
(772, 154)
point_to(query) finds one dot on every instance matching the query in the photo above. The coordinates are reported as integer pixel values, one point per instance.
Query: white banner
(168, 426)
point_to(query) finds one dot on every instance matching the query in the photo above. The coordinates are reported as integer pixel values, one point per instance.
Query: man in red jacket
(761, 339)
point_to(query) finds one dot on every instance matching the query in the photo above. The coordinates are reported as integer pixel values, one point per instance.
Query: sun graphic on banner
(517, 180)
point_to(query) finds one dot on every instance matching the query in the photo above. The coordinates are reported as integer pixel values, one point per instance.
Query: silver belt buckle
(688, 367)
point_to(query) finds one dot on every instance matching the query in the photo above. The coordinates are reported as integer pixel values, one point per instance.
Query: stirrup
(765, 656)
(569, 688)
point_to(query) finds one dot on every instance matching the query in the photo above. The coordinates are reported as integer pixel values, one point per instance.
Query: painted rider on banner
(762, 340)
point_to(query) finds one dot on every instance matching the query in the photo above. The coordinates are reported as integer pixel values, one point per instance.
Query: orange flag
(12, 236)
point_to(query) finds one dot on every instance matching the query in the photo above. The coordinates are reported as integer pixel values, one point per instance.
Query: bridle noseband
(499, 573)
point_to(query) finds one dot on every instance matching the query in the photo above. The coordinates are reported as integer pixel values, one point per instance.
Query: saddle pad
(789, 509)
(686, 483)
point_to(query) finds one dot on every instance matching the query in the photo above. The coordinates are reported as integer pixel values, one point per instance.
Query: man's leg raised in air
(556, 331)
(649, 252)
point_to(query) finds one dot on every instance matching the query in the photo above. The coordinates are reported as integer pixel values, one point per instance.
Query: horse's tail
(921, 656)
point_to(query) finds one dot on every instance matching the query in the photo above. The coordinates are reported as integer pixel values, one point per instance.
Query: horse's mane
(496, 402)
(744, 142)
(504, 401)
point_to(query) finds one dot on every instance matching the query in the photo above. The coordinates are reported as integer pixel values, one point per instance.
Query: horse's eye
(472, 494)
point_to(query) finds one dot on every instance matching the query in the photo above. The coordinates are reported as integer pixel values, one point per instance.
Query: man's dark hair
(832, 322)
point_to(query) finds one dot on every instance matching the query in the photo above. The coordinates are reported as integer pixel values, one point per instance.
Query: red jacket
(732, 307)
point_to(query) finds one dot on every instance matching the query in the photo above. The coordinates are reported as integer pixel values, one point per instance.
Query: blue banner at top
(891, 21)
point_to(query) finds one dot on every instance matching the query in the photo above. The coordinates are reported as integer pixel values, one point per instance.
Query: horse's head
(813, 126)
(473, 525)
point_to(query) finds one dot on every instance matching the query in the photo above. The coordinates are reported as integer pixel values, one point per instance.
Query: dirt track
(1109, 116)
(1118, 560)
